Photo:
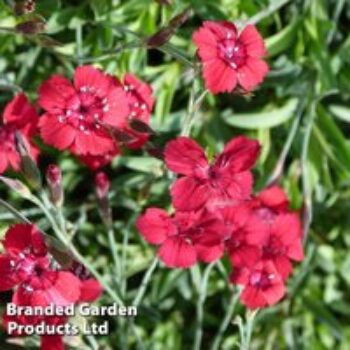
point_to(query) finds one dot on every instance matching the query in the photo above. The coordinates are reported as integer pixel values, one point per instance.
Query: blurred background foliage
(301, 116)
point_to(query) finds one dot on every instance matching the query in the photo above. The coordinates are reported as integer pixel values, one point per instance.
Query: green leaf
(282, 40)
(341, 112)
(335, 137)
(143, 164)
(265, 119)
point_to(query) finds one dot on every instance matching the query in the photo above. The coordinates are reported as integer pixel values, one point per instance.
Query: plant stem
(226, 321)
(113, 247)
(62, 236)
(308, 212)
(245, 344)
(268, 11)
(145, 282)
(277, 172)
(200, 304)
(192, 109)
(14, 212)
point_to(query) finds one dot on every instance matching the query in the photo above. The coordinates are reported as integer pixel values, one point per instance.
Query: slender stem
(145, 282)
(275, 6)
(277, 172)
(14, 212)
(308, 210)
(128, 46)
(123, 265)
(79, 41)
(249, 330)
(114, 251)
(226, 321)
(200, 304)
(337, 12)
(64, 239)
(194, 105)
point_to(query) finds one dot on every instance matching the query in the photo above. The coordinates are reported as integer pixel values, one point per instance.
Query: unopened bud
(122, 136)
(139, 126)
(28, 166)
(164, 34)
(17, 186)
(154, 151)
(54, 181)
(102, 186)
(161, 37)
(31, 27)
(24, 7)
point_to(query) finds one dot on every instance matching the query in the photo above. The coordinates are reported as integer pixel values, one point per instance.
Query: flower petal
(239, 154)
(188, 194)
(155, 225)
(253, 42)
(184, 156)
(91, 290)
(219, 77)
(55, 93)
(176, 252)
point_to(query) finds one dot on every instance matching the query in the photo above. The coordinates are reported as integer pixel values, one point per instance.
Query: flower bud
(164, 34)
(31, 27)
(54, 181)
(141, 127)
(102, 186)
(28, 166)
(24, 7)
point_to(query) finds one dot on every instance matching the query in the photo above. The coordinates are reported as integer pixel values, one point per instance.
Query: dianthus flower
(230, 58)
(19, 115)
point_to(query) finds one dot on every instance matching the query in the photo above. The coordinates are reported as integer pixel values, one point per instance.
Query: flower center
(274, 247)
(85, 110)
(261, 279)
(232, 51)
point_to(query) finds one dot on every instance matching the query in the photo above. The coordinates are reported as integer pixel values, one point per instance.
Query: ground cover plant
(186, 158)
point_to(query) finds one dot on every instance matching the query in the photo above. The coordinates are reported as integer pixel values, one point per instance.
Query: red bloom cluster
(27, 267)
(83, 116)
(215, 211)
(19, 115)
(230, 58)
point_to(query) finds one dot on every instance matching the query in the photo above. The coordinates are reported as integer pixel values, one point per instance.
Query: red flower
(230, 58)
(77, 115)
(185, 238)
(97, 162)
(19, 115)
(269, 203)
(25, 254)
(141, 103)
(228, 179)
(242, 224)
(53, 342)
(280, 243)
(262, 285)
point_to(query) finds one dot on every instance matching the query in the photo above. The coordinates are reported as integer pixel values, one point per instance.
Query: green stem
(226, 321)
(194, 105)
(249, 330)
(114, 251)
(64, 239)
(275, 6)
(277, 172)
(14, 212)
(145, 282)
(308, 212)
(200, 305)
